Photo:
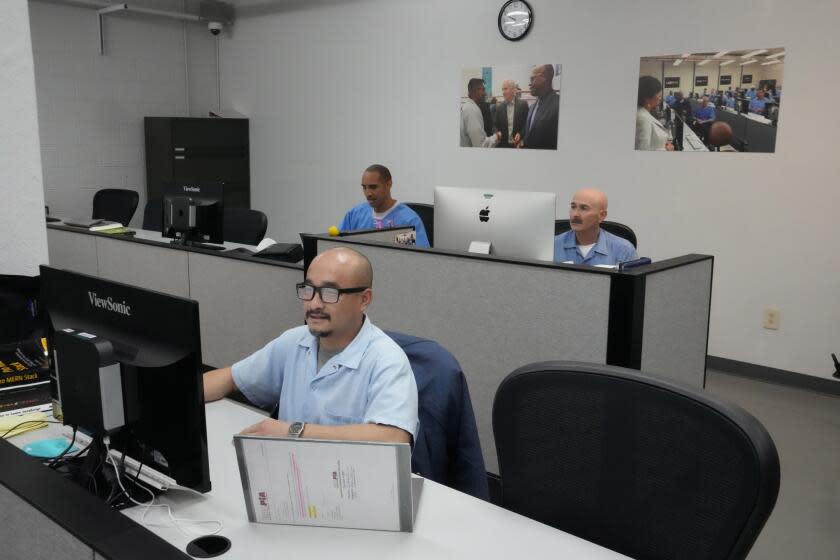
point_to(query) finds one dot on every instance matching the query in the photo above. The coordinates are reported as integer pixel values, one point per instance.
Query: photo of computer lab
(257, 302)
(720, 101)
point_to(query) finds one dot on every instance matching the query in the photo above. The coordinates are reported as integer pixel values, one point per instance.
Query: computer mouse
(48, 448)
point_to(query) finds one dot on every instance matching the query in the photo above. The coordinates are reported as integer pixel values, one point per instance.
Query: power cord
(176, 521)
(19, 424)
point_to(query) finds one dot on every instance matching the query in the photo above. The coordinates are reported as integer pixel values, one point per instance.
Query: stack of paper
(92, 225)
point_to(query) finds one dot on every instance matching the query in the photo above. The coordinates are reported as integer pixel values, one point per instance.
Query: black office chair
(614, 228)
(116, 205)
(638, 464)
(153, 215)
(243, 225)
(427, 216)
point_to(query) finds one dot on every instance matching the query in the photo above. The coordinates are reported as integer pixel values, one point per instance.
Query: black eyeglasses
(306, 292)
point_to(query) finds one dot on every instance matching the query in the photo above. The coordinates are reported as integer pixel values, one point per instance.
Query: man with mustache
(337, 377)
(586, 242)
(380, 210)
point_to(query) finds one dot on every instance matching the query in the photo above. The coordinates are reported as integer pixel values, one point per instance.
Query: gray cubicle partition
(759, 136)
(676, 321)
(243, 301)
(496, 315)
(242, 305)
(72, 250)
(156, 267)
(43, 515)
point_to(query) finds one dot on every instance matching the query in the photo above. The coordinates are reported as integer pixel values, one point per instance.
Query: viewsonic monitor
(126, 363)
(193, 213)
(516, 224)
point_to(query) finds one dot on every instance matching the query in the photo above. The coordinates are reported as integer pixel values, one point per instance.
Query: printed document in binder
(358, 485)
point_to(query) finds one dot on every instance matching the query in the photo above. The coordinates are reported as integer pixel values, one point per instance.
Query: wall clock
(515, 19)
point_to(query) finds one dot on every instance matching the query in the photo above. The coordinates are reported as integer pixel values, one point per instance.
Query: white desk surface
(449, 524)
(758, 118)
(151, 235)
(753, 116)
(691, 142)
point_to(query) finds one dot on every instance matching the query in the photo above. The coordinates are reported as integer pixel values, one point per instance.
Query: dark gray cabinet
(193, 150)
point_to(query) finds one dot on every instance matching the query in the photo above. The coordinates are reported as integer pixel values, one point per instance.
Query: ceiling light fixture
(751, 54)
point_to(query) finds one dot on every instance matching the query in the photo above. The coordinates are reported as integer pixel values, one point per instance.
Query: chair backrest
(447, 449)
(640, 465)
(116, 205)
(153, 215)
(614, 228)
(427, 216)
(243, 225)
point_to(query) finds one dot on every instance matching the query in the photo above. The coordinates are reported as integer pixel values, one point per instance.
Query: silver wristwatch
(296, 429)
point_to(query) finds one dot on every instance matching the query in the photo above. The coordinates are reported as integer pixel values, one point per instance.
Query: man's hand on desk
(267, 427)
(349, 432)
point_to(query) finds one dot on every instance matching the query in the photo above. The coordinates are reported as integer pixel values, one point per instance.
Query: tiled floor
(805, 524)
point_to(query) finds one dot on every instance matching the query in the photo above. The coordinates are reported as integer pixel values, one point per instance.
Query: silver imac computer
(505, 223)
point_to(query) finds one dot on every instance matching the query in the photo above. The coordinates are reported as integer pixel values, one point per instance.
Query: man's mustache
(319, 314)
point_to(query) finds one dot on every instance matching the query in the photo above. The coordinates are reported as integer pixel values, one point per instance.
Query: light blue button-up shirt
(705, 113)
(757, 105)
(369, 382)
(609, 249)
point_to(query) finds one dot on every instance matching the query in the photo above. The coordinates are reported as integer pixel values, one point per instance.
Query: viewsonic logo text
(108, 304)
(191, 189)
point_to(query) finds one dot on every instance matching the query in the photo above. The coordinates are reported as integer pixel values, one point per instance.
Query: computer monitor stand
(480, 247)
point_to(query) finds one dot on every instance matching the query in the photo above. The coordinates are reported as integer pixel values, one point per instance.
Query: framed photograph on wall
(709, 113)
(510, 106)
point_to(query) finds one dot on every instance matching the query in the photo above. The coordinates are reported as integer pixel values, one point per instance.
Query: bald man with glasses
(338, 376)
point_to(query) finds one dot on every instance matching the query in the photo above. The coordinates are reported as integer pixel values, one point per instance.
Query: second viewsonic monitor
(193, 212)
(516, 224)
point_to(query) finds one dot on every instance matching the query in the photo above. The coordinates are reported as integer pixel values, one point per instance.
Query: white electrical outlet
(772, 317)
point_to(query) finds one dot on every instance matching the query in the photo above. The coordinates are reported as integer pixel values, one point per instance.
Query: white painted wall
(333, 86)
(23, 236)
(91, 107)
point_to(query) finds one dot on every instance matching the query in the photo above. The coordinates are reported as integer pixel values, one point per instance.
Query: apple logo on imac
(484, 215)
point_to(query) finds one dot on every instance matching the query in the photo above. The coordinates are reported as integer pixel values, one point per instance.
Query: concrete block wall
(91, 106)
(23, 239)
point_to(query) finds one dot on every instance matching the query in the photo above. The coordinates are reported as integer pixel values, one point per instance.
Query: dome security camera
(214, 27)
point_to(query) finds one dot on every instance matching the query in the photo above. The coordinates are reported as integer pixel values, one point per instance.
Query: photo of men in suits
(541, 125)
(522, 119)
(510, 116)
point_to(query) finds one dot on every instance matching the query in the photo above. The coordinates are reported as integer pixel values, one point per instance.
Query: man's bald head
(593, 197)
(352, 266)
(508, 90)
(541, 78)
(586, 212)
(336, 323)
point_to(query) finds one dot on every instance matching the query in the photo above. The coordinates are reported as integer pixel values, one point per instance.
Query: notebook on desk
(94, 224)
(349, 484)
